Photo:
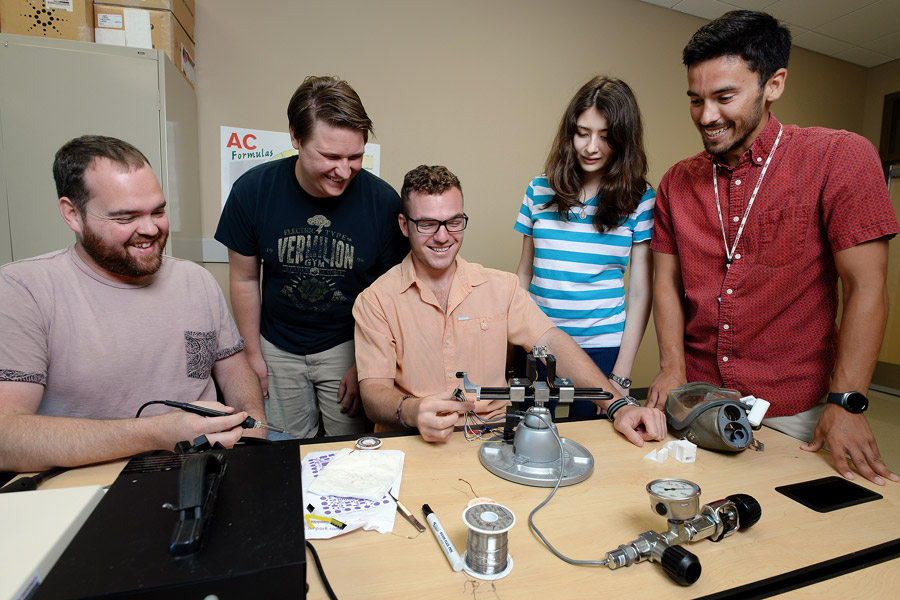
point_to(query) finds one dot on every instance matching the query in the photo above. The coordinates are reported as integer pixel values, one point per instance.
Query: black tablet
(828, 493)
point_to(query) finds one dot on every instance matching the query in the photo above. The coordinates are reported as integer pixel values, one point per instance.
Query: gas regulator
(678, 500)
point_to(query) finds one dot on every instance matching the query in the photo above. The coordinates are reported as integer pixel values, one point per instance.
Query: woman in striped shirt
(582, 219)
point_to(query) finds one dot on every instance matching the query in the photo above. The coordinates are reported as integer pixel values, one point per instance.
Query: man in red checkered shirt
(750, 240)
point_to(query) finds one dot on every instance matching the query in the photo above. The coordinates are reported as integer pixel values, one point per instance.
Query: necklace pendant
(728, 263)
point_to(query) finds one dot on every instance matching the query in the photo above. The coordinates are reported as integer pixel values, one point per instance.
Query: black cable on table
(26, 484)
(321, 571)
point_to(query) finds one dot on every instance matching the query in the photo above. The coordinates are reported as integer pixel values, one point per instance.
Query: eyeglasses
(454, 225)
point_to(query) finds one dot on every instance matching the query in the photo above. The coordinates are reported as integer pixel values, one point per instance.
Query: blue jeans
(604, 358)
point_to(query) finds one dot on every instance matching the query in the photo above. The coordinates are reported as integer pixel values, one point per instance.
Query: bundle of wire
(477, 429)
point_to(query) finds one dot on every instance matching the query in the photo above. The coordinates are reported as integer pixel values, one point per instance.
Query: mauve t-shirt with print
(103, 348)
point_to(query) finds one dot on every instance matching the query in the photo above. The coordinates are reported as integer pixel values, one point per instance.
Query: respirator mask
(714, 418)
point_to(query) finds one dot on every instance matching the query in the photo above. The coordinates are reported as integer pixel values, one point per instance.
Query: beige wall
(883, 80)
(478, 86)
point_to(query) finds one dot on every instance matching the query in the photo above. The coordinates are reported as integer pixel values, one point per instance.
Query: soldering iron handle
(193, 408)
(248, 423)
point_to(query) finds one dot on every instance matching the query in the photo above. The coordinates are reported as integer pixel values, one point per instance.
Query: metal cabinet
(54, 90)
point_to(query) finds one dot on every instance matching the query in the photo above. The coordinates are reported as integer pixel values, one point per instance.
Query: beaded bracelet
(400, 411)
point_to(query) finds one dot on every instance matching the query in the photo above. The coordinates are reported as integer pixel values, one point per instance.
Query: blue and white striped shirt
(578, 273)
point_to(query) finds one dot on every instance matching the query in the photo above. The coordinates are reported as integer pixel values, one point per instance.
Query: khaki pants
(801, 426)
(301, 386)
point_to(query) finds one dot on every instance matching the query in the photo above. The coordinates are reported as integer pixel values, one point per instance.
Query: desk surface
(587, 520)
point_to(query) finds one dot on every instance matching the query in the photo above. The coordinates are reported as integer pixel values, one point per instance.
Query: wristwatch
(852, 401)
(623, 381)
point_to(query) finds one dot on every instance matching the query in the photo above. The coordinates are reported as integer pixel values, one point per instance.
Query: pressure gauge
(675, 499)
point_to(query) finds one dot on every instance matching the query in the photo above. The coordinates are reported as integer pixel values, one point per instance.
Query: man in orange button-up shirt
(435, 314)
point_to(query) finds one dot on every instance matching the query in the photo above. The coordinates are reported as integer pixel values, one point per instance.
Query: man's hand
(639, 424)
(258, 363)
(847, 433)
(662, 384)
(436, 415)
(178, 425)
(348, 393)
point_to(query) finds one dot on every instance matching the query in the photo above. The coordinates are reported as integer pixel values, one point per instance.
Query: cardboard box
(57, 19)
(143, 28)
(182, 9)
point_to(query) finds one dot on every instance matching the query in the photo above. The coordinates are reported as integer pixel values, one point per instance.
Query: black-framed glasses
(452, 225)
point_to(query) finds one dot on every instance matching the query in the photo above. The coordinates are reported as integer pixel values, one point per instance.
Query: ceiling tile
(866, 24)
(665, 3)
(708, 9)
(796, 30)
(861, 56)
(889, 44)
(814, 14)
(821, 43)
(866, 32)
(751, 4)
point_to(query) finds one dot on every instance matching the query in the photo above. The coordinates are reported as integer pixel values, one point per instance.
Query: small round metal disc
(369, 442)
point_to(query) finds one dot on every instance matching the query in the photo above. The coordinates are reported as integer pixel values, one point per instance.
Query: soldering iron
(248, 423)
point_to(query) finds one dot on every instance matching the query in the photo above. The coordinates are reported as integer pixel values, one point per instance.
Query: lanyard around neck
(729, 254)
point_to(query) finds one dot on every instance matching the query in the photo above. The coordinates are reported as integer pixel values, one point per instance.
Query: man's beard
(117, 259)
(748, 126)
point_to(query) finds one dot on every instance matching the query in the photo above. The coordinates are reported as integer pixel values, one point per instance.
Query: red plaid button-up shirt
(766, 326)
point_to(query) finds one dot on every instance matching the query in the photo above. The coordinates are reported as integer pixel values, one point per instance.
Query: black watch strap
(613, 408)
(853, 402)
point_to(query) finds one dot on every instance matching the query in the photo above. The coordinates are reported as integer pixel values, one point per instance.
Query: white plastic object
(657, 456)
(683, 451)
(756, 414)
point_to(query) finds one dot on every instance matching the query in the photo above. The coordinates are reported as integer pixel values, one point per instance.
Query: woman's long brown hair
(623, 181)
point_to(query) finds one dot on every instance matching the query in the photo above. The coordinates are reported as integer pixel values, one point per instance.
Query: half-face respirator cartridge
(714, 418)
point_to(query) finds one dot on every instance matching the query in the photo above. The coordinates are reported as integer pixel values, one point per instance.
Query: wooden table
(587, 520)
